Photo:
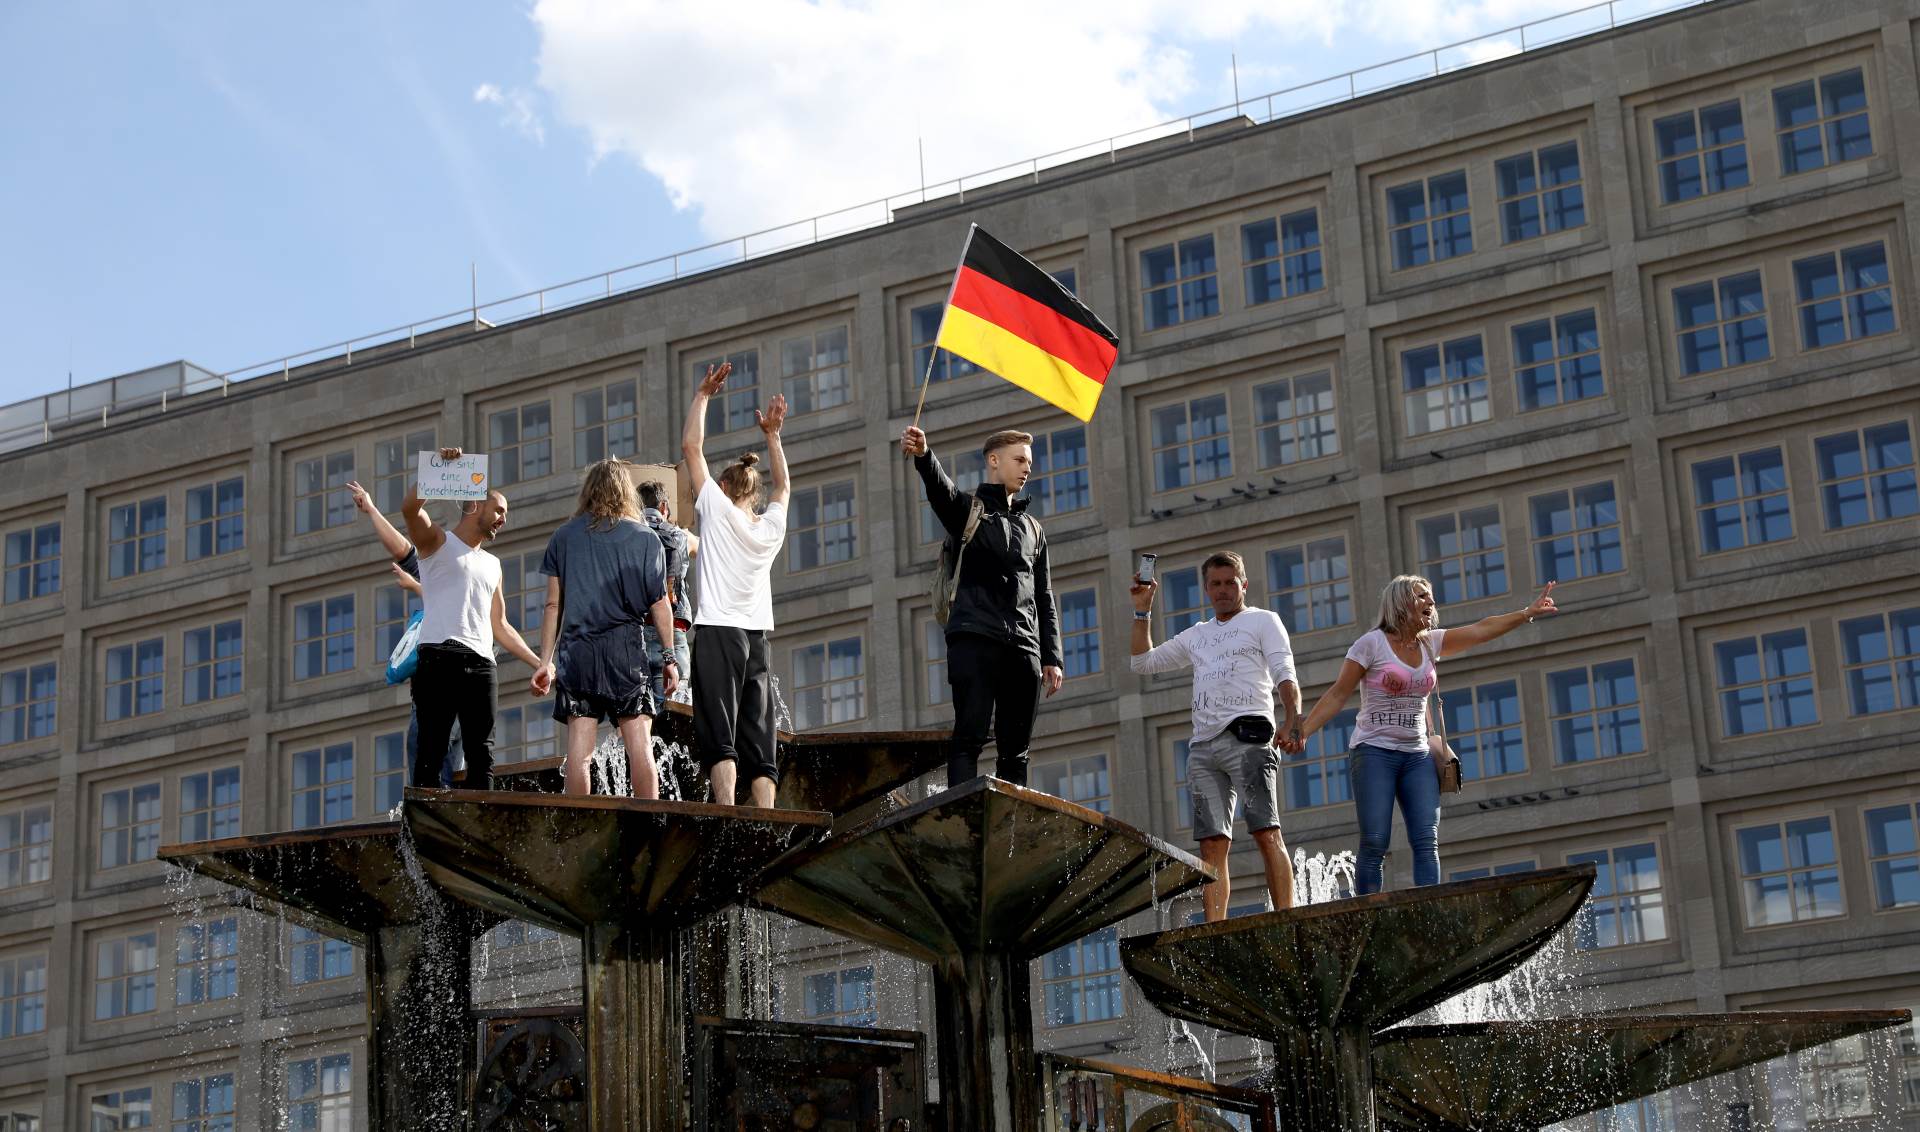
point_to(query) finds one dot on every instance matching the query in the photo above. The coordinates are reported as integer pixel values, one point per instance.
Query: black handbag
(1254, 729)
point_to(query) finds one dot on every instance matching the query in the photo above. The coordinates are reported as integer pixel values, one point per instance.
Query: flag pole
(934, 354)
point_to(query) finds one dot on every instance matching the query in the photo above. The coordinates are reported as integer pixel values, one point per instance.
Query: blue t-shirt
(609, 579)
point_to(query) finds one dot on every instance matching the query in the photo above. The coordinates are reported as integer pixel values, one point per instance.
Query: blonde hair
(1396, 603)
(740, 480)
(606, 493)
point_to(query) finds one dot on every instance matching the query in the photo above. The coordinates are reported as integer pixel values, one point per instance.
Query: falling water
(1320, 878)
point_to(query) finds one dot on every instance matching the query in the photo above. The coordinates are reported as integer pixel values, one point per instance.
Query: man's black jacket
(1005, 592)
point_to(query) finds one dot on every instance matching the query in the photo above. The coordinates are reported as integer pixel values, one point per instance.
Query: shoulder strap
(1439, 717)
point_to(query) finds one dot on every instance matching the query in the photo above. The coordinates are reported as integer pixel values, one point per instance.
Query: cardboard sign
(465, 478)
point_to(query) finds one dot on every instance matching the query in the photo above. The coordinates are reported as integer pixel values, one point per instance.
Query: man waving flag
(1006, 315)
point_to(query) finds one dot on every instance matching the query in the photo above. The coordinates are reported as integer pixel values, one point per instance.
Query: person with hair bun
(733, 699)
(1394, 666)
(606, 578)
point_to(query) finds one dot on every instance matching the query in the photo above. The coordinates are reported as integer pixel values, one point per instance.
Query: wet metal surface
(1501, 1076)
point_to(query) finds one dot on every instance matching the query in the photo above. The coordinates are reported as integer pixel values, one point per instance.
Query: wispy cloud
(463, 168)
(517, 110)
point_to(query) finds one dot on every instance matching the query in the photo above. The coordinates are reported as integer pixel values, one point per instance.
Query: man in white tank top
(465, 614)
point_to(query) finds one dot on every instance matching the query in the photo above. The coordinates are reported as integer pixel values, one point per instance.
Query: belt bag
(1255, 729)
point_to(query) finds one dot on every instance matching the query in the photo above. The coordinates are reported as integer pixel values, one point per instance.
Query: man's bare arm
(550, 624)
(770, 422)
(506, 634)
(693, 435)
(391, 540)
(426, 536)
(662, 613)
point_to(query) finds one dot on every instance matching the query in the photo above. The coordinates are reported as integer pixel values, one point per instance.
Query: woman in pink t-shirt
(1393, 665)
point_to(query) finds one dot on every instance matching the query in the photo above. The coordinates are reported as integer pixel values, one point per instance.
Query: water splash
(1319, 879)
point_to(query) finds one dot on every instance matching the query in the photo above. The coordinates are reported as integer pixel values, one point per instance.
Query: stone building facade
(1630, 313)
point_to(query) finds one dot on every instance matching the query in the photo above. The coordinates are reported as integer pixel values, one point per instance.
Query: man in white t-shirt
(1238, 657)
(733, 698)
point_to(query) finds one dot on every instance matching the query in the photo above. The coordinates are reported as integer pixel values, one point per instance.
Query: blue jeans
(1379, 775)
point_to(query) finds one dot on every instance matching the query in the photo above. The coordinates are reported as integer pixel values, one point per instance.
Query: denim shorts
(1220, 768)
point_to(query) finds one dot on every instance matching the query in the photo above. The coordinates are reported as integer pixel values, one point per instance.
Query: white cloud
(760, 112)
(517, 110)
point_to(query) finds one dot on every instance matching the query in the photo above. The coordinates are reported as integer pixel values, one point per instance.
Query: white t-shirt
(1235, 665)
(457, 584)
(735, 562)
(1393, 697)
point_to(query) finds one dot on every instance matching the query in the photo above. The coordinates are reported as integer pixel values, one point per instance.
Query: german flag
(1008, 316)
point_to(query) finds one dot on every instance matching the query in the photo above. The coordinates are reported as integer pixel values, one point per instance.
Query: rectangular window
(213, 663)
(1880, 658)
(1294, 421)
(1789, 872)
(129, 825)
(216, 518)
(395, 461)
(316, 958)
(521, 443)
(33, 562)
(320, 496)
(320, 1093)
(1822, 124)
(933, 641)
(1081, 981)
(136, 679)
(206, 964)
(1062, 479)
(1282, 257)
(1867, 475)
(1576, 534)
(524, 734)
(1595, 712)
(968, 470)
(1445, 386)
(1317, 776)
(1742, 501)
(125, 976)
(924, 328)
(1082, 780)
(1483, 727)
(1186, 602)
(1429, 220)
(1765, 682)
(210, 804)
(1843, 296)
(1701, 151)
(126, 1108)
(389, 770)
(1080, 632)
(26, 847)
(1626, 905)
(137, 537)
(1893, 857)
(1180, 282)
(606, 423)
(1557, 360)
(394, 606)
(814, 371)
(323, 786)
(23, 996)
(830, 684)
(1309, 586)
(524, 589)
(839, 998)
(323, 637)
(29, 703)
(824, 526)
(1721, 323)
(203, 1105)
(734, 408)
(1190, 443)
(1464, 554)
(1540, 192)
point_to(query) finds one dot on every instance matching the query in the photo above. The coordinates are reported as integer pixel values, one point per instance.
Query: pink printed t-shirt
(1393, 709)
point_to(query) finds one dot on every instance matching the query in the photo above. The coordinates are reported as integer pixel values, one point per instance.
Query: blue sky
(229, 182)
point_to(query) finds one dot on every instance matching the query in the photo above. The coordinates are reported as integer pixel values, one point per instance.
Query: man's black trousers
(994, 685)
(454, 682)
(733, 703)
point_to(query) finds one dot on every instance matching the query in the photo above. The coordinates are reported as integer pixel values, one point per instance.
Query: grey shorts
(1220, 768)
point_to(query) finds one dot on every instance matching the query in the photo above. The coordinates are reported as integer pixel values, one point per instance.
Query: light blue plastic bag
(406, 654)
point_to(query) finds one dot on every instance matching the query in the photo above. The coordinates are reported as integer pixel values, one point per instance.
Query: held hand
(1051, 677)
(449, 454)
(360, 497)
(716, 379)
(1142, 594)
(1543, 604)
(405, 580)
(1289, 740)
(673, 678)
(542, 680)
(913, 441)
(774, 417)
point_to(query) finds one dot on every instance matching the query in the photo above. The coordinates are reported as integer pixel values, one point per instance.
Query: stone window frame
(1177, 243)
(824, 641)
(108, 1107)
(1092, 590)
(395, 464)
(325, 749)
(388, 769)
(1838, 252)
(210, 960)
(298, 938)
(1716, 276)
(207, 1095)
(1568, 486)
(1893, 662)
(1446, 348)
(27, 852)
(1392, 183)
(1078, 980)
(1558, 361)
(1469, 694)
(32, 670)
(1292, 376)
(1187, 400)
(847, 477)
(29, 567)
(134, 677)
(532, 715)
(317, 488)
(1911, 809)
(536, 406)
(1817, 76)
(1324, 759)
(331, 1104)
(322, 601)
(99, 982)
(16, 1000)
(808, 375)
(1540, 191)
(1307, 541)
(1737, 452)
(935, 690)
(593, 422)
(128, 534)
(1616, 897)
(521, 565)
(1701, 154)
(1457, 509)
(865, 1017)
(1779, 823)
(218, 521)
(213, 661)
(386, 630)
(1284, 258)
(127, 832)
(1586, 664)
(1859, 428)
(211, 816)
(1759, 636)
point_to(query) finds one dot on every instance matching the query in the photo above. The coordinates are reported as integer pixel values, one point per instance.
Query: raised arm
(1333, 700)
(426, 536)
(949, 506)
(1147, 658)
(693, 435)
(506, 634)
(1499, 625)
(392, 541)
(770, 422)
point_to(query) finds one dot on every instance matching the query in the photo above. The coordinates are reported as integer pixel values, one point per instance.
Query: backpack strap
(975, 510)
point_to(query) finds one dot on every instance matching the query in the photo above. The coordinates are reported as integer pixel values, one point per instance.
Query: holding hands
(542, 681)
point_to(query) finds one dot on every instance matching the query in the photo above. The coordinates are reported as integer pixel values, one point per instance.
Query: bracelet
(1143, 615)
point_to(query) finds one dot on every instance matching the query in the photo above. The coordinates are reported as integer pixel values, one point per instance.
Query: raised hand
(1543, 604)
(449, 454)
(1143, 594)
(716, 378)
(360, 497)
(913, 442)
(775, 416)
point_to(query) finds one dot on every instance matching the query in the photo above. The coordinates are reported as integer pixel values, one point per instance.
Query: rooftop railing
(35, 420)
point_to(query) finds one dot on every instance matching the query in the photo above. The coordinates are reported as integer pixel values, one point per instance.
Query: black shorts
(569, 704)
